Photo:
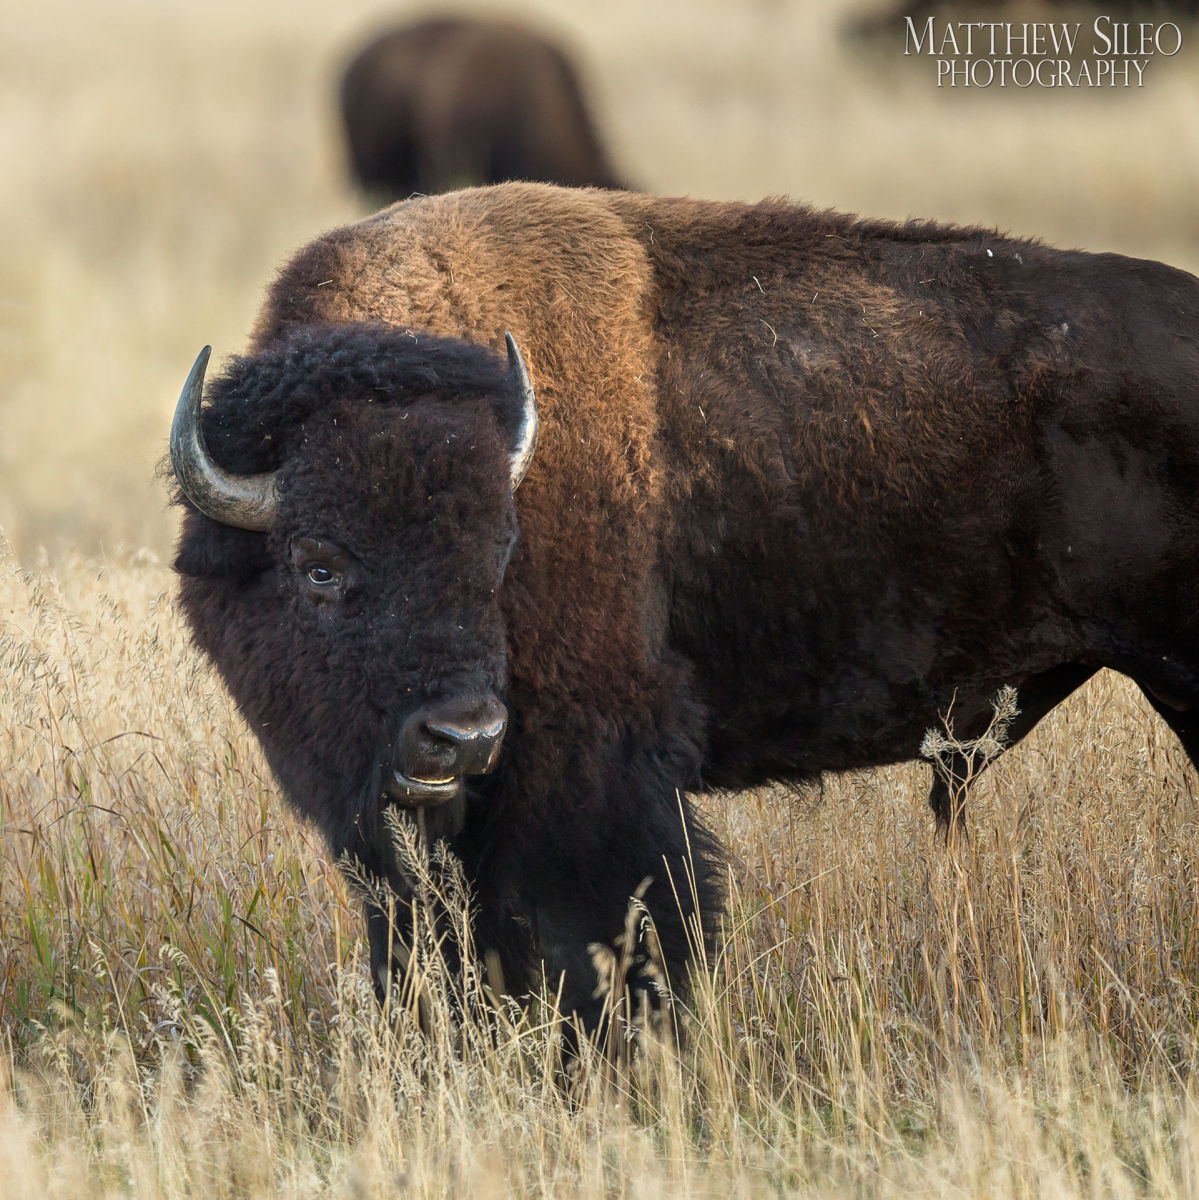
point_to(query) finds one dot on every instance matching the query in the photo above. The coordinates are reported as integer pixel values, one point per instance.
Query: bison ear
(211, 551)
(527, 423)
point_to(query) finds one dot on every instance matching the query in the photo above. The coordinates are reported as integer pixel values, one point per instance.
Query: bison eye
(324, 568)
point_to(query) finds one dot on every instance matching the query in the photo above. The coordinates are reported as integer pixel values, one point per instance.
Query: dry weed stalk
(957, 762)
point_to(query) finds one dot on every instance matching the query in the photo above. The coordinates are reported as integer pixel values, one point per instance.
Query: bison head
(350, 497)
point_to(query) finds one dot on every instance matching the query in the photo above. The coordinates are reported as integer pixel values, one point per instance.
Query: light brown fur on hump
(557, 268)
(560, 271)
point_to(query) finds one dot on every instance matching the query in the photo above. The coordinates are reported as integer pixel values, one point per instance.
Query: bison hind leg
(1183, 722)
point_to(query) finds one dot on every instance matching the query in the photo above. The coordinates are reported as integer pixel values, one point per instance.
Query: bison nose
(451, 738)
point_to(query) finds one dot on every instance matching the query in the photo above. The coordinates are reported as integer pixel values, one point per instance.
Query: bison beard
(802, 482)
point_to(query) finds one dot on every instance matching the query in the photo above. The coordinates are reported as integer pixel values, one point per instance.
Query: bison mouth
(440, 744)
(412, 792)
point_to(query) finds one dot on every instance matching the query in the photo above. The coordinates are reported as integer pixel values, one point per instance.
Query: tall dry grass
(183, 1001)
(186, 1009)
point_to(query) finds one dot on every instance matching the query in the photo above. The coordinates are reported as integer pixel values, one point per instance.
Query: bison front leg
(416, 903)
(607, 893)
(395, 971)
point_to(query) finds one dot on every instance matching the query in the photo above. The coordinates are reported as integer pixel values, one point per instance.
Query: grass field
(183, 1002)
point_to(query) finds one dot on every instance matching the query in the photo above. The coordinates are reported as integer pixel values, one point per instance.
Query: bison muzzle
(443, 742)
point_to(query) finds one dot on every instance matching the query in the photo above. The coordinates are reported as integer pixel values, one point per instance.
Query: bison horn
(526, 434)
(243, 501)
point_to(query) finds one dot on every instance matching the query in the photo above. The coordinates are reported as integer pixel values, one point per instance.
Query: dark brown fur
(803, 481)
(451, 101)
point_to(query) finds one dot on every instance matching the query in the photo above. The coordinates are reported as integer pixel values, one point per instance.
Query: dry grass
(187, 1013)
(182, 995)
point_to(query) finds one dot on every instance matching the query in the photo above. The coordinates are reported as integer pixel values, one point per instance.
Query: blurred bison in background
(453, 101)
(776, 488)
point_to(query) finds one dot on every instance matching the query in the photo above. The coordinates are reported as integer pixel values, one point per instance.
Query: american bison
(452, 101)
(757, 492)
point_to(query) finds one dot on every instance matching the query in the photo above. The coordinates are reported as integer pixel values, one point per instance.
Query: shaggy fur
(451, 101)
(803, 481)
